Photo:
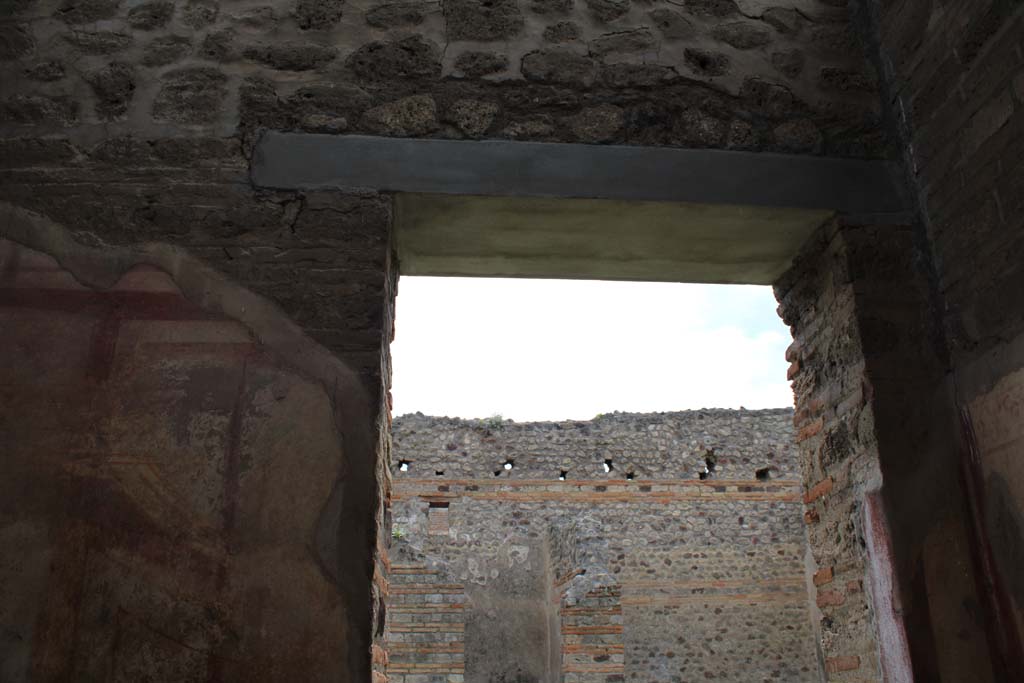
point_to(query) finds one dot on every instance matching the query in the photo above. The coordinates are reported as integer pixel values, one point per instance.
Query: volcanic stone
(409, 116)
(190, 95)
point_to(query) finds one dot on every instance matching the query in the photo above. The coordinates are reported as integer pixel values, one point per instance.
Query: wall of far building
(678, 564)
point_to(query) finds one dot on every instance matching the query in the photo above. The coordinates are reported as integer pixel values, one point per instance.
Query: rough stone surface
(16, 152)
(557, 567)
(220, 46)
(771, 99)
(151, 15)
(784, 19)
(167, 50)
(742, 136)
(98, 42)
(742, 35)
(39, 109)
(597, 124)
(411, 57)
(712, 8)
(46, 71)
(192, 95)
(476, 64)
(801, 135)
(698, 128)
(472, 117)
(624, 42)
(318, 15)
(707, 63)
(832, 78)
(114, 86)
(626, 75)
(398, 14)
(529, 130)
(873, 352)
(323, 123)
(542, 62)
(291, 56)
(327, 105)
(15, 42)
(490, 20)
(562, 32)
(790, 63)
(834, 525)
(607, 10)
(409, 116)
(263, 17)
(549, 7)
(86, 11)
(559, 66)
(200, 13)
(672, 25)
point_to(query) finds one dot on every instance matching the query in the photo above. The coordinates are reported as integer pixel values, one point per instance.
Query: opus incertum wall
(663, 547)
(784, 75)
(131, 134)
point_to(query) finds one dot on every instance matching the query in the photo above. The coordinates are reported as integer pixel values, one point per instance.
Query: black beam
(534, 169)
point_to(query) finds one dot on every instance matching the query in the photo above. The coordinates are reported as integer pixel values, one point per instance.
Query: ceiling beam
(304, 161)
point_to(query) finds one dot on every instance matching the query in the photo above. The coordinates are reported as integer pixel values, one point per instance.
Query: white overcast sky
(570, 349)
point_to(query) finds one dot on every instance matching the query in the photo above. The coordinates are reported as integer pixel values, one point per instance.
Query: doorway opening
(606, 510)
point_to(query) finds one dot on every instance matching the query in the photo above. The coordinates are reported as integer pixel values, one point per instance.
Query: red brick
(380, 655)
(378, 677)
(823, 576)
(794, 370)
(381, 581)
(829, 598)
(854, 586)
(811, 517)
(818, 490)
(810, 430)
(836, 664)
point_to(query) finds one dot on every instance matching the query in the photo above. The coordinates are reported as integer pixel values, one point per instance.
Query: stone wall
(835, 434)
(786, 75)
(158, 425)
(955, 74)
(878, 439)
(734, 444)
(664, 568)
(130, 126)
(156, 520)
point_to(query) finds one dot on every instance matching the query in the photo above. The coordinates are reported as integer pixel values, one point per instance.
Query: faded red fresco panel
(161, 476)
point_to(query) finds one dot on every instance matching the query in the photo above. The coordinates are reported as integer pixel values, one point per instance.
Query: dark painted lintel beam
(530, 169)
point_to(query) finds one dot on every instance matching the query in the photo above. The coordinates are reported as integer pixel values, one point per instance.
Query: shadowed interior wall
(860, 346)
(177, 469)
(955, 74)
(132, 124)
(654, 573)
